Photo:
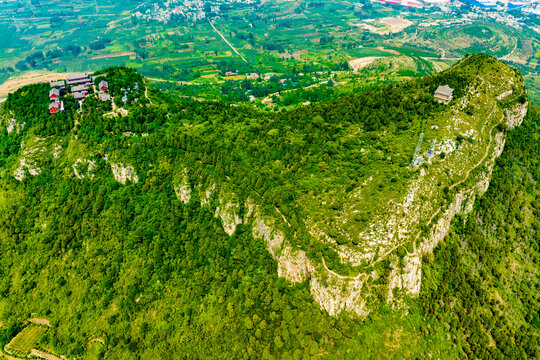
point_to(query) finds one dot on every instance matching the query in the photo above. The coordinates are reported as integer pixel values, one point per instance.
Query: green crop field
(27, 339)
(367, 51)
(277, 36)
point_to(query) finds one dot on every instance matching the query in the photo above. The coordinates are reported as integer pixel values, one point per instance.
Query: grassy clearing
(366, 51)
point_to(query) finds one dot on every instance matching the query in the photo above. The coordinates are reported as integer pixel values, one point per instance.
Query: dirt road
(227, 41)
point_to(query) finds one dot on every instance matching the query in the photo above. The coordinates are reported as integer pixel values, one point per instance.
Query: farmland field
(13, 83)
(279, 37)
(27, 339)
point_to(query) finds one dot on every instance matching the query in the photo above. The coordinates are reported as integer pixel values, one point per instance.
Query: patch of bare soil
(31, 77)
(43, 355)
(40, 321)
(387, 25)
(391, 51)
(359, 64)
(295, 55)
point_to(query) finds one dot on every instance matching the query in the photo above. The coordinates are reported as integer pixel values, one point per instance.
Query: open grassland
(27, 339)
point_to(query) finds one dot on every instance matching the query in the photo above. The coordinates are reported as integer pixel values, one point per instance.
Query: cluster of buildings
(189, 10)
(56, 104)
(407, 3)
(78, 85)
(129, 90)
(509, 4)
(527, 6)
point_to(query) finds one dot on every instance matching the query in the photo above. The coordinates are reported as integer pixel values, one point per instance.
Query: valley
(280, 37)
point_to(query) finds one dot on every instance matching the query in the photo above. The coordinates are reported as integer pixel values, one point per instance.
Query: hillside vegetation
(167, 241)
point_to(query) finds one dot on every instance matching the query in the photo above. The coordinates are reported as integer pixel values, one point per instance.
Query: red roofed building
(55, 107)
(408, 3)
(103, 86)
(54, 94)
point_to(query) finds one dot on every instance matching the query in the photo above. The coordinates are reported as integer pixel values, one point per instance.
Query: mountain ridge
(197, 172)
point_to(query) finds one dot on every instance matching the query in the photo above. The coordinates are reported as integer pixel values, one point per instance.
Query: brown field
(131, 55)
(309, 34)
(44, 355)
(26, 339)
(391, 51)
(31, 77)
(386, 25)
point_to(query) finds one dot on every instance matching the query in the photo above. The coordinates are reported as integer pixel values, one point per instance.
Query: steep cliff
(353, 214)
(337, 292)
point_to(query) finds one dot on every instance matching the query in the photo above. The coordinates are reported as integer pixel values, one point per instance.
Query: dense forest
(482, 281)
(154, 277)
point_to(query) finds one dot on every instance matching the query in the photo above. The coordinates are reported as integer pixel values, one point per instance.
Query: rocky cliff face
(387, 259)
(122, 173)
(335, 292)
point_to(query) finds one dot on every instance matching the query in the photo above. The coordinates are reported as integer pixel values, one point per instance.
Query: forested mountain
(191, 230)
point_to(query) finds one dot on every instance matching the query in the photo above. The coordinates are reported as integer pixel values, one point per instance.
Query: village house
(59, 84)
(56, 106)
(80, 88)
(79, 95)
(103, 86)
(79, 78)
(443, 94)
(54, 94)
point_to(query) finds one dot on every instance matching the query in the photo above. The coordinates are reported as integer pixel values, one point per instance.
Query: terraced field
(26, 340)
